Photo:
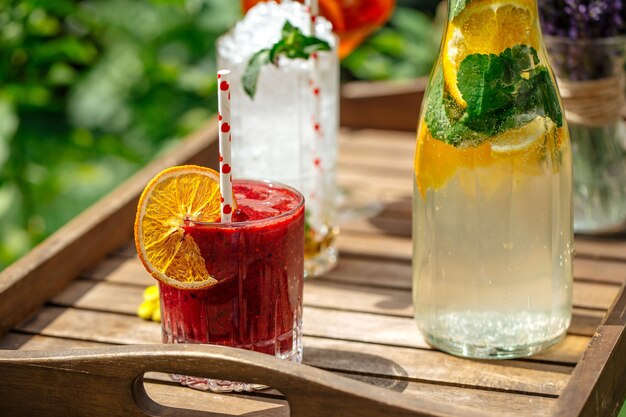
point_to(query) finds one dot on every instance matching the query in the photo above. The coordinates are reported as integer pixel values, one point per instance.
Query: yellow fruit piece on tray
(150, 308)
(151, 293)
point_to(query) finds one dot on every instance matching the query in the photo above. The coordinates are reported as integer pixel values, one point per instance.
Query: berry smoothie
(258, 261)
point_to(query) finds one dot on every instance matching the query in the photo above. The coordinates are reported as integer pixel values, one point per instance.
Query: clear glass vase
(590, 74)
(492, 217)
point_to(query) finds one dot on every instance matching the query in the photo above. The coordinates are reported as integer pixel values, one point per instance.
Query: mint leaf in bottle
(485, 83)
(456, 7)
(443, 114)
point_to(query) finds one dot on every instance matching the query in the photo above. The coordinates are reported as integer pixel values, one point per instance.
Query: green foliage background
(91, 90)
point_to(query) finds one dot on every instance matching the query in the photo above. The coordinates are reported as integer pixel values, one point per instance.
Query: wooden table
(357, 318)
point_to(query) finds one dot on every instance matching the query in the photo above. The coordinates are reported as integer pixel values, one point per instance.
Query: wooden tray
(363, 354)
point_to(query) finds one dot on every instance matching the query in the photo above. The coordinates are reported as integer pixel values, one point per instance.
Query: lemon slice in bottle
(525, 139)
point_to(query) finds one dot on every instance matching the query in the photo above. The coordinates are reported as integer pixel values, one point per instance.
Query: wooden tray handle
(108, 382)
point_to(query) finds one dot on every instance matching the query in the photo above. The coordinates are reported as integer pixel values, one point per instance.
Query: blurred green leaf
(42, 24)
(406, 48)
(8, 127)
(67, 48)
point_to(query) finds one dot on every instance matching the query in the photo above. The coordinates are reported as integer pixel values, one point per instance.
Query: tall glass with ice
(288, 130)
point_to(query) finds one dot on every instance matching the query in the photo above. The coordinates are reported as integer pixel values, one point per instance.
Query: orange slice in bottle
(172, 198)
(436, 162)
(485, 27)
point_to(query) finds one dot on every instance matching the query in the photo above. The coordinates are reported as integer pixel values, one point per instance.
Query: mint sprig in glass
(293, 44)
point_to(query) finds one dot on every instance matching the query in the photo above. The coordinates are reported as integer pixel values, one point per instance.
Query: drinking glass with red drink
(236, 284)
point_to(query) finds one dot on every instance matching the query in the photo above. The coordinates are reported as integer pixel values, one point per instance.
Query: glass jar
(492, 207)
(590, 74)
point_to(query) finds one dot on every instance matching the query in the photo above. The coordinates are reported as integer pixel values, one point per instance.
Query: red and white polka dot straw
(314, 86)
(223, 108)
(314, 11)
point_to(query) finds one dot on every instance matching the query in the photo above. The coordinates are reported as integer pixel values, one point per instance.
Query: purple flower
(572, 24)
(582, 19)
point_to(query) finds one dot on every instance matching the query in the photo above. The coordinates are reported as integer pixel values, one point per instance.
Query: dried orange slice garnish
(175, 196)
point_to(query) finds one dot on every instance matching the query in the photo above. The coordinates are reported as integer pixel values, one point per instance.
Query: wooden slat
(390, 238)
(357, 270)
(601, 248)
(92, 326)
(398, 364)
(177, 396)
(593, 295)
(382, 173)
(402, 184)
(397, 275)
(362, 238)
(385, 246)
(600, 270)
(22, 341)
(378, 163)
(487, 401)
(29, 282)
(354, 270)
(374, 192)
(375, 141)
(321, 293)
(121, 269)
(350, 269)
(598, 387)
(437, 367)
(585, 322)
(109, 297)
(401, 331)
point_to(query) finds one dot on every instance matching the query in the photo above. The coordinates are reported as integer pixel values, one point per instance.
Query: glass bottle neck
(461, 12)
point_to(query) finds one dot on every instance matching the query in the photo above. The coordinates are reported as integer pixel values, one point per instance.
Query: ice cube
(261, 28)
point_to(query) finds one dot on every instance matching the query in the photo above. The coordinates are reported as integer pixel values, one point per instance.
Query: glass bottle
(492, 206)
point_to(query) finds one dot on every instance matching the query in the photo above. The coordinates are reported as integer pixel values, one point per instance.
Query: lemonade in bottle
(492, 207)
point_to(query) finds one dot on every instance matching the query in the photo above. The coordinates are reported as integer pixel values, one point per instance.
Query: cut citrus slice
(484, 27)
(436, 162)
(175, 196)
(525, 139)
